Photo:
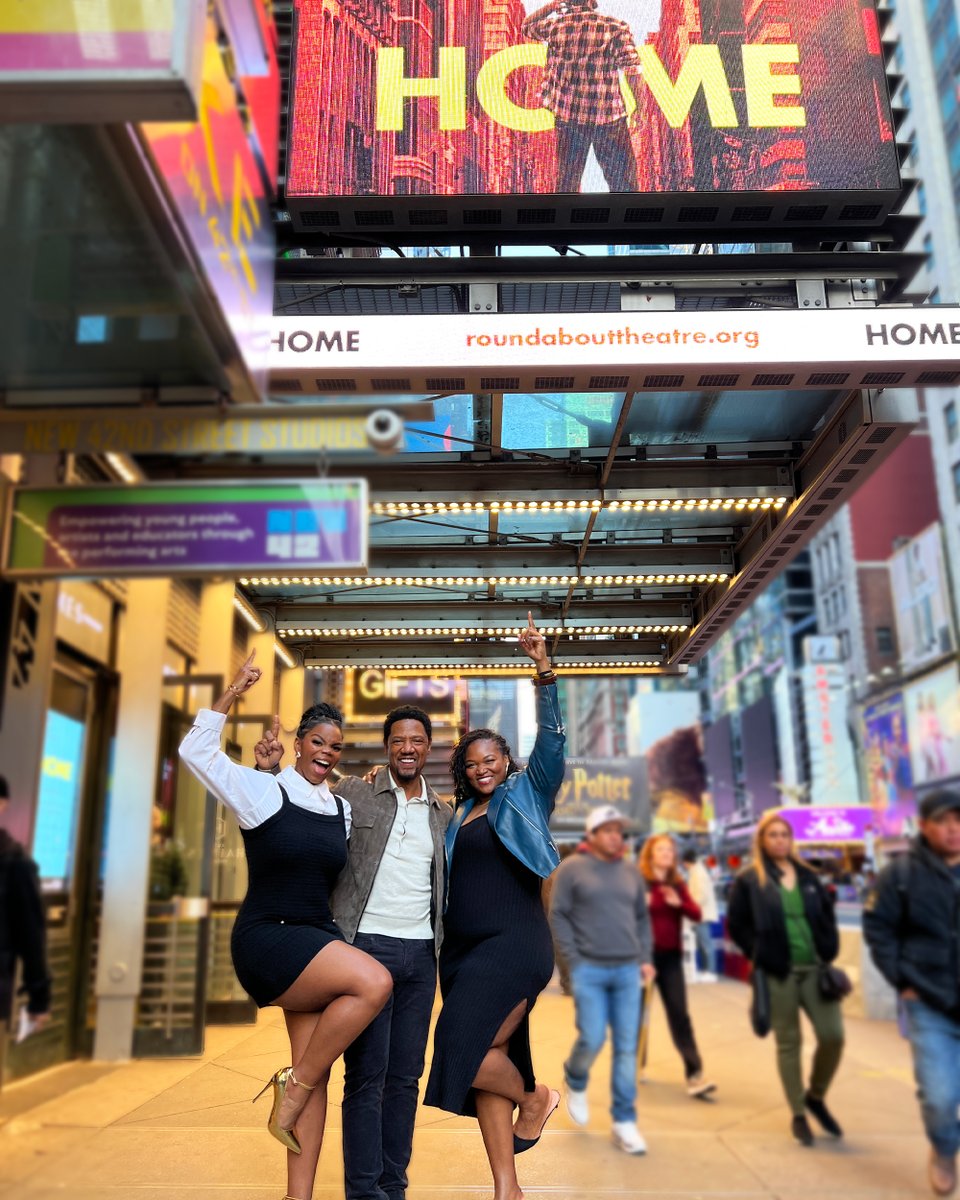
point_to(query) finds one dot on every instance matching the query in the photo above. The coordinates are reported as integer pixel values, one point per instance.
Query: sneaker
(823, 1116)
(942, 1174)
(577, 1106)
(802, 1131)
(628, 1138)
(699, 1088)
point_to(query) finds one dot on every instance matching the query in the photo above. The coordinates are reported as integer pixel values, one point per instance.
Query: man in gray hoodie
(598, 913)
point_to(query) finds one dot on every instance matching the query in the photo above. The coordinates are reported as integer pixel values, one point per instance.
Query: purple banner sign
(831, 823)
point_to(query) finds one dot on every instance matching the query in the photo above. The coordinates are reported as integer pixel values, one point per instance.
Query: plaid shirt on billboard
(585, 53)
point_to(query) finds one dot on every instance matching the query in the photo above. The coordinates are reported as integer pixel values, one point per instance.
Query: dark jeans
(673, 993)
(612, 146)
(382, 1070)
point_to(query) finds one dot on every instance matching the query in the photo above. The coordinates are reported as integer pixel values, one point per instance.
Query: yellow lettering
(370, 685)
(492, 88)
(702, 68)
(450, 86)
(245, 218)
(761, 86)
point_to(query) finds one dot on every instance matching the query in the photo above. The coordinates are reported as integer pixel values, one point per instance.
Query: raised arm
(545, 766)
(242, 789)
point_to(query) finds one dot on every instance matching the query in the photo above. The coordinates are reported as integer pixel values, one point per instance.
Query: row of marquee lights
(414, 508)
(462, 631)
(567, 668)
(479, 581)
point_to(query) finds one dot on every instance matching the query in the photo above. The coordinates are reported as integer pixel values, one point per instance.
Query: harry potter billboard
(502, 98)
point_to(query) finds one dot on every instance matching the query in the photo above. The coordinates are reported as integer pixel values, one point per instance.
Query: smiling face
(319, 751)
(407, 749)
(486, 767)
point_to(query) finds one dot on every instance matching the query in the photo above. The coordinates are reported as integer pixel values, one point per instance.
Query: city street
(184, 1129)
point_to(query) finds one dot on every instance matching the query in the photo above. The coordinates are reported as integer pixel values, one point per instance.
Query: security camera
(385, 431)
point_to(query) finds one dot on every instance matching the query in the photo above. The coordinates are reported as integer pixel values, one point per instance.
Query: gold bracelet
(231, 688)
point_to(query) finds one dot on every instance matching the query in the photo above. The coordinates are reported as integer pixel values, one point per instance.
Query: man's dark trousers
(612, 146)
(382, 1070)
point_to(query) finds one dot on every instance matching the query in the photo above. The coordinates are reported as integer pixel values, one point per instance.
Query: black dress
(497, 951)
(293, 860)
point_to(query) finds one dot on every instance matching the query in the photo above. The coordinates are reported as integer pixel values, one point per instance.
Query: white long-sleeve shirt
(251, 795)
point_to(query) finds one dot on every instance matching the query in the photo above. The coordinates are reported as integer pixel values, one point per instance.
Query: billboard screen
(933, 726)
(919, 587)
(889, 771)
(511, 98)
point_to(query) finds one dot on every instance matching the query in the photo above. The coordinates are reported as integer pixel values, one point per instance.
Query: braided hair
(319, 714)
(458, 769)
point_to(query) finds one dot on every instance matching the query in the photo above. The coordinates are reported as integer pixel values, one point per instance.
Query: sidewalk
(184, 1129)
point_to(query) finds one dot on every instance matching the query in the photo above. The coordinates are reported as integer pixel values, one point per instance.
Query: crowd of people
(362, 890)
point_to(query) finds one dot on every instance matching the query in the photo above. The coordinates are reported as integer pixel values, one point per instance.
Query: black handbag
(833, 983)
(759, 1002)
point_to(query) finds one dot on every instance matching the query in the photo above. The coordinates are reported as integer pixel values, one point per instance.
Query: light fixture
(471, 631)
(124, 466)
(471, 582)
(492, 668)
(248, 612)
(621, 503)
(284, 655)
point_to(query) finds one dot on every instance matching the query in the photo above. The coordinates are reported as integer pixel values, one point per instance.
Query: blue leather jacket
(520, 808)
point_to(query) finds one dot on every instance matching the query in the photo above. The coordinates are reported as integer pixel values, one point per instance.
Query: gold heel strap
(307, 1087)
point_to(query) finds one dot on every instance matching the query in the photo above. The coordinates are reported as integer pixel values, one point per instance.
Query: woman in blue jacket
(497, 954)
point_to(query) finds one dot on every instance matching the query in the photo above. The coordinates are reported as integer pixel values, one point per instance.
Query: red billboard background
(708, 78)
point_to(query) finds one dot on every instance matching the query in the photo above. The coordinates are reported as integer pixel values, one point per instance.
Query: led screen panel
(508, 98)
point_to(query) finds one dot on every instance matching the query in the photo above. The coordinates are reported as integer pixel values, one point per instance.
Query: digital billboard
(919, 587)
(511, 98)
(889, 772)
(933, 724)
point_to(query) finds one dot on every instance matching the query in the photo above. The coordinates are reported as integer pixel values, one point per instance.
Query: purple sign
(831, 823)
(192, 529)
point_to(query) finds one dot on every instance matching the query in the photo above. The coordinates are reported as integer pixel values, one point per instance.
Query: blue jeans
(382, 1070)
(704, 936)
(935, 1041)
(607, 995)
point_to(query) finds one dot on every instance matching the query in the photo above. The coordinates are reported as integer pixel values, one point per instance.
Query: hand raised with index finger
(246, 677)
(533, 644)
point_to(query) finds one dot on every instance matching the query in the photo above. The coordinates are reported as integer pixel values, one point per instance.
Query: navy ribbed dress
(497, 950)
(293, 860)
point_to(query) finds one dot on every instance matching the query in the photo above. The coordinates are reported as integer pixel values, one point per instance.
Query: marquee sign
(619, 351)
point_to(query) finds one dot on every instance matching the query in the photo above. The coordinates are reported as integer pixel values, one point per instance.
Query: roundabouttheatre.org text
(624, 335)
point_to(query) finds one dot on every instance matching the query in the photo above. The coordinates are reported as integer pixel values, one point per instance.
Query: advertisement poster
(889, 772)
(589, 782)
(59, 797)
(933, 723)
(514, 97)
(919, 587)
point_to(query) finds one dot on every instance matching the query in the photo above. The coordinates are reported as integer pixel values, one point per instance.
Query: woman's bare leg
(302, 1167)
(347, 988)
(498, 1087)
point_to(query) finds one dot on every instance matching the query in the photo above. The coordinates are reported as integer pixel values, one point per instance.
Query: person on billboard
(782, 919)
(23, 932)
(669, 902)
(600, 923)
(286, 948)
(388, 902)
(586, 54)
(497, 953)
(911, 922)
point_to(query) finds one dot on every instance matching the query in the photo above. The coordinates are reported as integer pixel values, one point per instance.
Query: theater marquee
(660, 351)
(512, 99)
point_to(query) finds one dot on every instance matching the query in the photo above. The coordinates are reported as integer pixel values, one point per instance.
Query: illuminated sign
(834, 823)
(196, 529)
(127, 60)
(919, 588)
(833, 769)
(509, 98)
(589, 782)
(655, 350)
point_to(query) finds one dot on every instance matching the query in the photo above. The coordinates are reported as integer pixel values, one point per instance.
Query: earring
(298, 754)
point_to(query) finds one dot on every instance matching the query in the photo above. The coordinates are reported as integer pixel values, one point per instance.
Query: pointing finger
(275, 730)
(249, 662)
(530, 623)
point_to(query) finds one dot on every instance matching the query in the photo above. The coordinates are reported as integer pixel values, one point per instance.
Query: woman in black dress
(286, 948)
(497, 953)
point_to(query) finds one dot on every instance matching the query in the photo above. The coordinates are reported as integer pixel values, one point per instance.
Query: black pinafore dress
(293, 860)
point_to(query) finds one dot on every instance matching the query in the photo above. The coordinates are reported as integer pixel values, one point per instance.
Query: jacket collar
(383, 787)
(922, 851)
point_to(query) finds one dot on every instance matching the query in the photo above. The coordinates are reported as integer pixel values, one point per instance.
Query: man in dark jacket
(22, 929)
(911, 922)
(388, 901)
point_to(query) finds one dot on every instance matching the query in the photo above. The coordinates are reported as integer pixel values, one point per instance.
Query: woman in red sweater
(668, 902)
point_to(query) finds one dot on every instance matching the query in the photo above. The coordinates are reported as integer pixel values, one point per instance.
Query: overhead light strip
(283, 654)
(480, 581)
(435, 631)
(491, 667)
(423, 508)
(248, 613)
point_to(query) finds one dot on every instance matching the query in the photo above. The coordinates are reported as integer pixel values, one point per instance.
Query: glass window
(884, 639)
(928, 250)
(956, 482)
(950, 419)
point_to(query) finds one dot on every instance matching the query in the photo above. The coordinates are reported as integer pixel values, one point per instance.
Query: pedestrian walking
(911, 921)
(782, 918)
(286, 948)
(497, 953)
(388, 902)
(670, 902)
(23, 934)
(704, 894)
(598, 914)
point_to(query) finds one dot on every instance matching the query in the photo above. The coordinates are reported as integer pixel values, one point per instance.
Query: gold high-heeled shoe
(279, 1083)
